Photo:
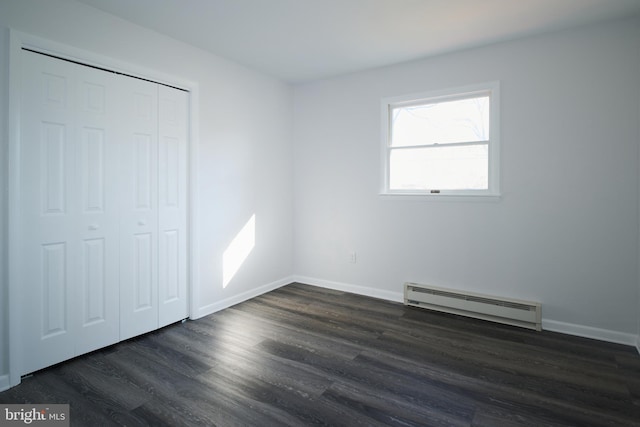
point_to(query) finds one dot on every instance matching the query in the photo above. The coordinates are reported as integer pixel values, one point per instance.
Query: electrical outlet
(352, 257)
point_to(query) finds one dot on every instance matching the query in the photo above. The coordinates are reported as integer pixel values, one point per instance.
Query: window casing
(442, 143)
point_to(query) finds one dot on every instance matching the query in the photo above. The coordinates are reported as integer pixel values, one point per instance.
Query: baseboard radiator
(525, 314)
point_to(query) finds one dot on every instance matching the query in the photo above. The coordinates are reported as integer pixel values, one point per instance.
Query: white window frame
(387, 104)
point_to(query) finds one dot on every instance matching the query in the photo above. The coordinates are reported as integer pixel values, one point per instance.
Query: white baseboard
(589, 332)
(237, 299)
(4, 382)
(549, 325)
(354, 289)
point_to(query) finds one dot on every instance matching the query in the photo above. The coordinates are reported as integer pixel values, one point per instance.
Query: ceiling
(302, 40)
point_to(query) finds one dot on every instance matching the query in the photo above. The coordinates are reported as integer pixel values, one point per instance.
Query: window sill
(414, 197)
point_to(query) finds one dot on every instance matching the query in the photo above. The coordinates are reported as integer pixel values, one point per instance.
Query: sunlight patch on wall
(238, 251)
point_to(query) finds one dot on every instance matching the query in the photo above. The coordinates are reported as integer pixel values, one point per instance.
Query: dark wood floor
(302, 355)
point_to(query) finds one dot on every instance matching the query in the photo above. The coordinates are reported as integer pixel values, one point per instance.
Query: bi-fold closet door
(103, 208)
(153, 199)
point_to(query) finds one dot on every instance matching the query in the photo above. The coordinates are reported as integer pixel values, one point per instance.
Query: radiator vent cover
(525, 314)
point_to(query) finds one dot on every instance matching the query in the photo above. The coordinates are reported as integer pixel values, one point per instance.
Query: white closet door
(96, 177)
(68, 211)
(103, 224)
(139, 208)
(173, 199)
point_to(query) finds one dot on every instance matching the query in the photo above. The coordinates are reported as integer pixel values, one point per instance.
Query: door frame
(18, 41)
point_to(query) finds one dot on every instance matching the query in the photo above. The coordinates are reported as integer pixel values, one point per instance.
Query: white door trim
(19, 40)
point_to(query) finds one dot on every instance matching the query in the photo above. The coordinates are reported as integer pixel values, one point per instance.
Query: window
(443, 143)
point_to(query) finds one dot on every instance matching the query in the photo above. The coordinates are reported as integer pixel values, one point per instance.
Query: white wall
(244, 150)
(564, 232)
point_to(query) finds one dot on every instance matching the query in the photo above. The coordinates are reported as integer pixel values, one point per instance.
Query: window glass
(462, 120)
(441, 168)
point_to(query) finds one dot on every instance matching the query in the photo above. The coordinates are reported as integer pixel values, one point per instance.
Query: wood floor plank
(88, 406)
(387, 409)
(489, 416)
(95, 375)
(280, 406)
(302, 335)
(176, 396)
(302, 355)
(567, 391)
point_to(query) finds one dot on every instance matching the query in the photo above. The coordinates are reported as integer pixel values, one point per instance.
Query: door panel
(170, 266)
(93, 282)
(173, 199)
(54, 290)
(66, 206)
(98, 207)
(143, 152)
(170, 172)
(53, 163)
(143, 272)
(46, 231)
(93, 170)
(138, 208)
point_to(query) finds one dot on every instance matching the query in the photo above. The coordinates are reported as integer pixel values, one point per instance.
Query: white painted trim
(423, 197)
(638, 247)
(589, 332)
(194, 243)
(237, 299)
(13, 199)
(450, 94)
(354, 289)
(18, 40)
(4, 382)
